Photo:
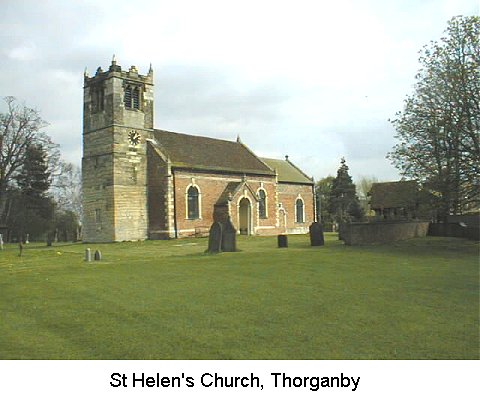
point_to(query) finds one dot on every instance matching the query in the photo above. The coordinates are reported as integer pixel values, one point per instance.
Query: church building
(144, 183)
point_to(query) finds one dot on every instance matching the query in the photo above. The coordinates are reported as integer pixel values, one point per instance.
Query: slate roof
(199, 152)
(287, 171)
(393, 194)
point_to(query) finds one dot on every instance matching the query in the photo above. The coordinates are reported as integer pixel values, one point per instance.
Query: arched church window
(299, 216)
(193, 208)
(262, 204)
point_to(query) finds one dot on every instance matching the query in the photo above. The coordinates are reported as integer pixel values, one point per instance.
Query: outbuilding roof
(393, 194)
(287, 171)
(204, 153)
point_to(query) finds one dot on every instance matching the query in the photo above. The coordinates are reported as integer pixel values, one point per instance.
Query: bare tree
(67, 188)
(20, 127)
(364, 185)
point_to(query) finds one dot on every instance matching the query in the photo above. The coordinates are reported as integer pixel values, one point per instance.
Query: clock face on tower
(133, 137)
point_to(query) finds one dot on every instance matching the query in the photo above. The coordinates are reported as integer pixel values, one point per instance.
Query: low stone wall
(382, 232)
(455, 230)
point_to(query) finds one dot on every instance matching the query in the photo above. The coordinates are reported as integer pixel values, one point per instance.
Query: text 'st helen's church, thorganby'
(145, 183)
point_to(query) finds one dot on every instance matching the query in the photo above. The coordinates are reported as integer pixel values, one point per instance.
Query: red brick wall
(287, 196)
(211, 186)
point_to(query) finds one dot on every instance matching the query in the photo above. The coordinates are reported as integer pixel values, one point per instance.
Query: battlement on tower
(116, 71)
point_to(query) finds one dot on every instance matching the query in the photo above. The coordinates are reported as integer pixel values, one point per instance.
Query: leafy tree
(344, 204)
(438, 130)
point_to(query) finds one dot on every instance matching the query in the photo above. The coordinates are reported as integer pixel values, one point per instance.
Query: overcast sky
(316, 80)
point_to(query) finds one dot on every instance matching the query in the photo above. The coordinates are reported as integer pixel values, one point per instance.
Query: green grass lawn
(417, 299)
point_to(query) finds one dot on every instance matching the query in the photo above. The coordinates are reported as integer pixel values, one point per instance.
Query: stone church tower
(117, 122)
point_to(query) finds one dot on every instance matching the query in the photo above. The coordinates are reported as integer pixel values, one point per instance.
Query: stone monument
(215, 238)
(97, 256)
(88, 255)
(282, 241)
(229, 236)
(316, 234)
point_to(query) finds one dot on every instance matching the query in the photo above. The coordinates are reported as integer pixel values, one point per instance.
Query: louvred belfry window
(131, 97)
(127, 99)
(136, 98)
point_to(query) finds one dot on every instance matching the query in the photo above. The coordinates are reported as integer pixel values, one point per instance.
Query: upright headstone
(97, 256)
(215, 238)
(229, 236)
(282, 241)
(316, 234)
(1, 241)
(49, 239)
(88, 255)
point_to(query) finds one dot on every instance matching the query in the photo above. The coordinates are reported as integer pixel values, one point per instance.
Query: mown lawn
(417, 299)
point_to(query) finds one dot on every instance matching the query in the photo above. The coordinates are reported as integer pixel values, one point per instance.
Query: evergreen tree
(35, 208)
(34, 177)
(344, 204)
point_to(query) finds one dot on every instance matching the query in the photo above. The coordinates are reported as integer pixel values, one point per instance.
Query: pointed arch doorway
(245, 216)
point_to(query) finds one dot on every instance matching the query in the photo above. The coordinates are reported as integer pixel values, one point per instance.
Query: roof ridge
(203, 152)
(197, 136)
(257, 157)
(299, 170)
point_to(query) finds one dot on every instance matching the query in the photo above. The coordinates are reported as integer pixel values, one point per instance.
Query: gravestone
(229, 236)
(316, 234)
(215, 238)
(88, 255)
(97, 256)
(282, 240)
(49, 239)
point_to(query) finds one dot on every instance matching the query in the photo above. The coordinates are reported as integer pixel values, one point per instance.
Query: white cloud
(313, 79)
(25, 52)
